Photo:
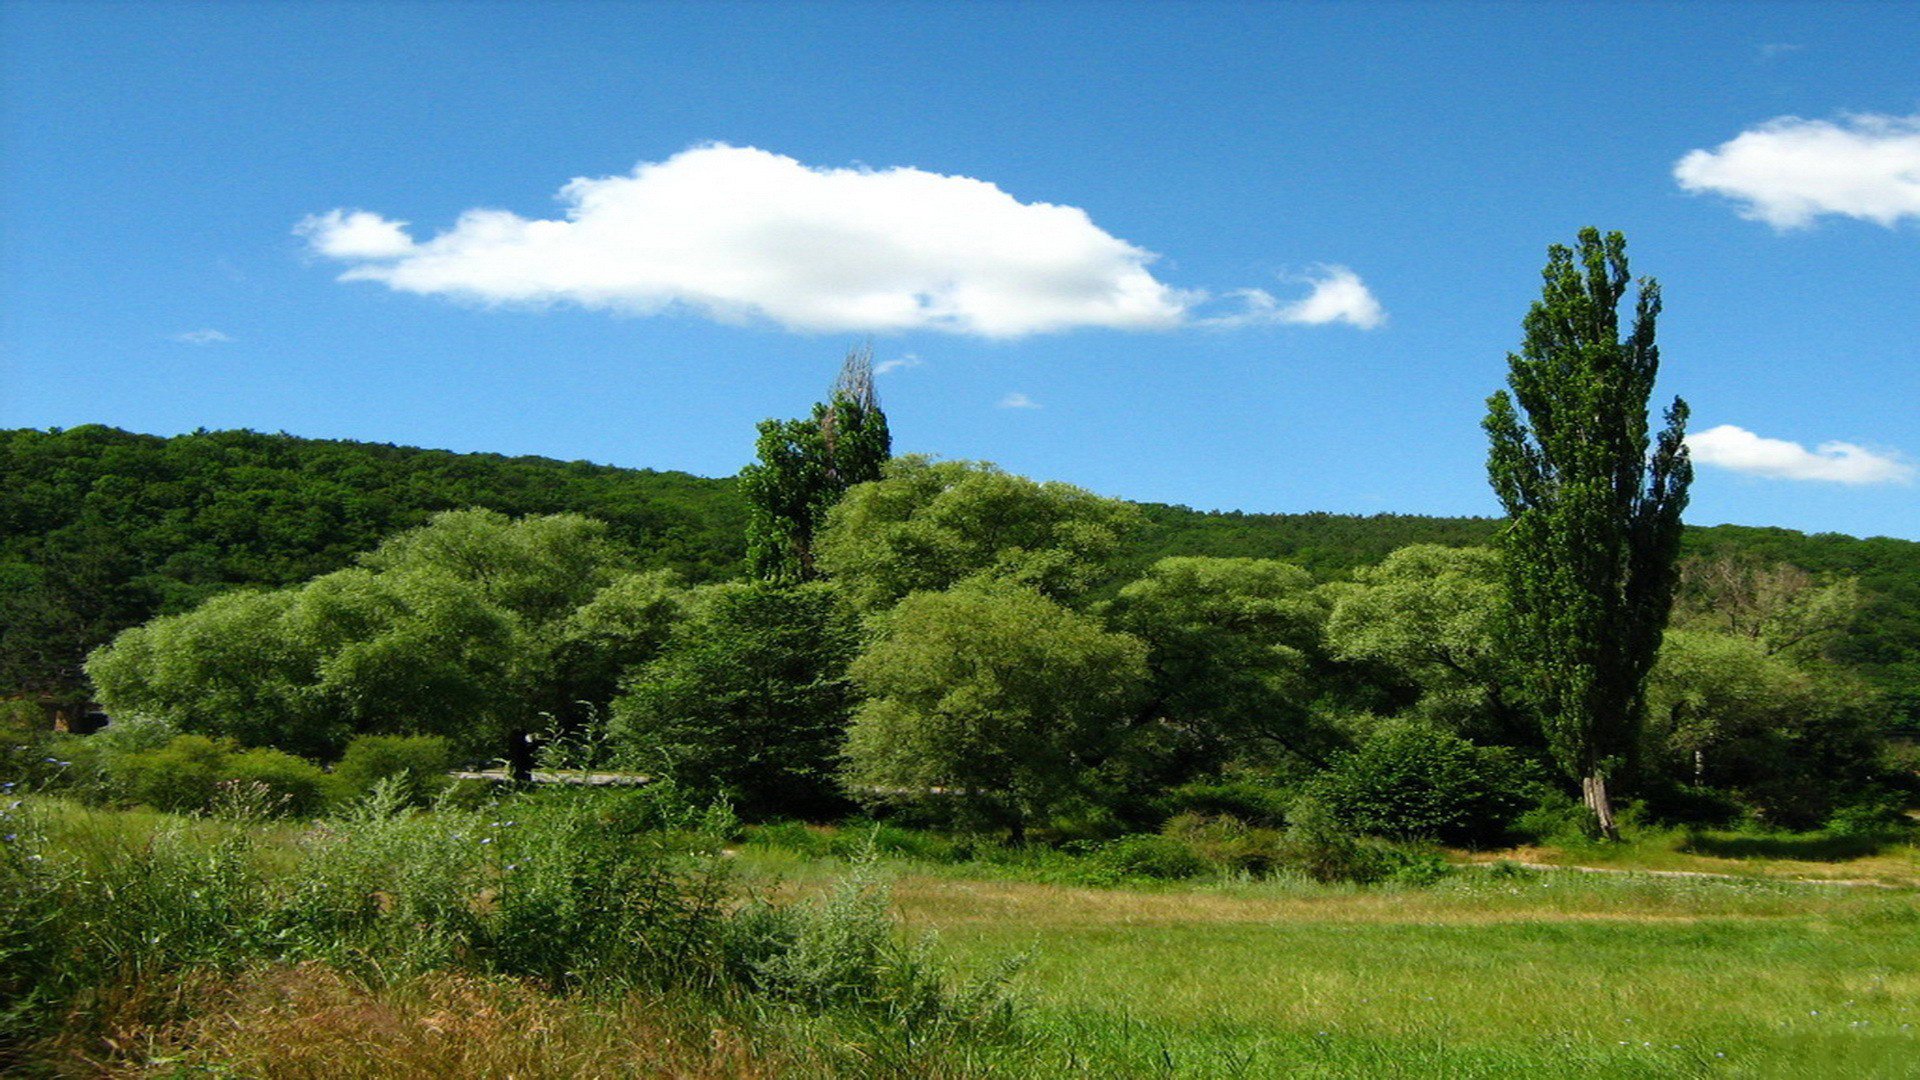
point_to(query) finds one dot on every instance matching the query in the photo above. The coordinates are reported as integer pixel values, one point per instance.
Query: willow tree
(1594, 508)
(805, 466)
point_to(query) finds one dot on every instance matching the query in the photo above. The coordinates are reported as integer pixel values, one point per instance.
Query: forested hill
(100, 529)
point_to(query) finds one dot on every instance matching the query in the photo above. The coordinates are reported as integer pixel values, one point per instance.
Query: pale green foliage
(1232, 646)
(1709, 689)
(926, 525)
(467, 627)
(1594, 504)
(1430, 615)
(993, 693)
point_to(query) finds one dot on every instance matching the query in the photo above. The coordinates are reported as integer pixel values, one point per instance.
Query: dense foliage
(101, 529)
(1594, 509)
(802, 467)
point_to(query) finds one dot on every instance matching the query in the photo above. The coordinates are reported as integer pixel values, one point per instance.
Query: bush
(293, 785)
(1316, 846)
(1555, 815)
(422, 760)
(1163, 858)
(1229, 843)
(844, 952)
(1253, 803)
(1413, 782)
(180, 776)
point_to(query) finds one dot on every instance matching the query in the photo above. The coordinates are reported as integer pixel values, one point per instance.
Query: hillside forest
(957, 645)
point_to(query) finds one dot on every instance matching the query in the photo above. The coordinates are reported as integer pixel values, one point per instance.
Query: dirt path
(1853, 883)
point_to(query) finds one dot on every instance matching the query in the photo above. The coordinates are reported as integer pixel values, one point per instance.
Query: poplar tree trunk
(1593, 792)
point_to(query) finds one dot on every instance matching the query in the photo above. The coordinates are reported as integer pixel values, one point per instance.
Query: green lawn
(1542, 975)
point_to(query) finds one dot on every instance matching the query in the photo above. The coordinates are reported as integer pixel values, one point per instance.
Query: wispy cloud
(1337, 296)
(1789, 171)
(897, 363)
(740, 234)
(202, 337)
(1776, 50)
(355, 234)
(1740, 450)
(1017, 400)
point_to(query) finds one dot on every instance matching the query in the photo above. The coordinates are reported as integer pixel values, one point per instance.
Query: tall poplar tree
(805, 466)
(1594, 509)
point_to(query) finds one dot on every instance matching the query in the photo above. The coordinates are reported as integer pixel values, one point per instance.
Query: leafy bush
(1555, 816)
(844, 952)
(1245, 800)
(180, 776)
(1413, 782)
(1229, 843)
(1316, 846)
(1164, 858)
(295, 785)
(422, 760)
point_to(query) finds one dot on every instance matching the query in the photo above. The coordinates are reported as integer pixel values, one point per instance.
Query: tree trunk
(1593, 792)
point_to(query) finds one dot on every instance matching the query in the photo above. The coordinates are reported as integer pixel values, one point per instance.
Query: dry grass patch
(312, 1021)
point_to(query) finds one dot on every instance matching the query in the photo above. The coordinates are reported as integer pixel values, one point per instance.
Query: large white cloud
(738, 234)
(1740, 450)
(1789, 171)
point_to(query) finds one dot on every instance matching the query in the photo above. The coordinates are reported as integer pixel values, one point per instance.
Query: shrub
(1413, 782)
(422, 760)
(844, 952)
(1229, 843)
(1554, 816)
(1248, 801)
(294, 785)
(180, 776)
(1164, 858)
(1316, 846)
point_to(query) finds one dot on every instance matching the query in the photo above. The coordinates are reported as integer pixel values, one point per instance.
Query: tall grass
(600, 894)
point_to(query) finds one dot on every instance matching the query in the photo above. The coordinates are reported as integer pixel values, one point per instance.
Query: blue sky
(1267, 257)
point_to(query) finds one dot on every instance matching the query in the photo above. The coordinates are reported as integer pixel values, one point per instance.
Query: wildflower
(486, 839)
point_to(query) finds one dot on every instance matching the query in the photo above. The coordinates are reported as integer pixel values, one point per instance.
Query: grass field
(1490, 972)
(1493, 971)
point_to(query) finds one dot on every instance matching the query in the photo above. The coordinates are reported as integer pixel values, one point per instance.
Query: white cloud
(202, 337)
(736, 233)
(1789, 171)
(1017, 400)
(1338, 296)
(355, 234)
(1776, 50)
(897, 363)
(1740, 450)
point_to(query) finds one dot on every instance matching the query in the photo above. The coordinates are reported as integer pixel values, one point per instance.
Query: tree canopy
(1593, 505)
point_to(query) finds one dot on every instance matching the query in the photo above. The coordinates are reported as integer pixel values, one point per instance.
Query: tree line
(952, 643)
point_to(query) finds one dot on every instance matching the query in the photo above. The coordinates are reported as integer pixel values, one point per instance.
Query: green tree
(1593, 509)
(470, 627)
(993, 695)
(1430, 617)
(749, 699)
(1233, 650)
(805, 466)
(927, 525)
